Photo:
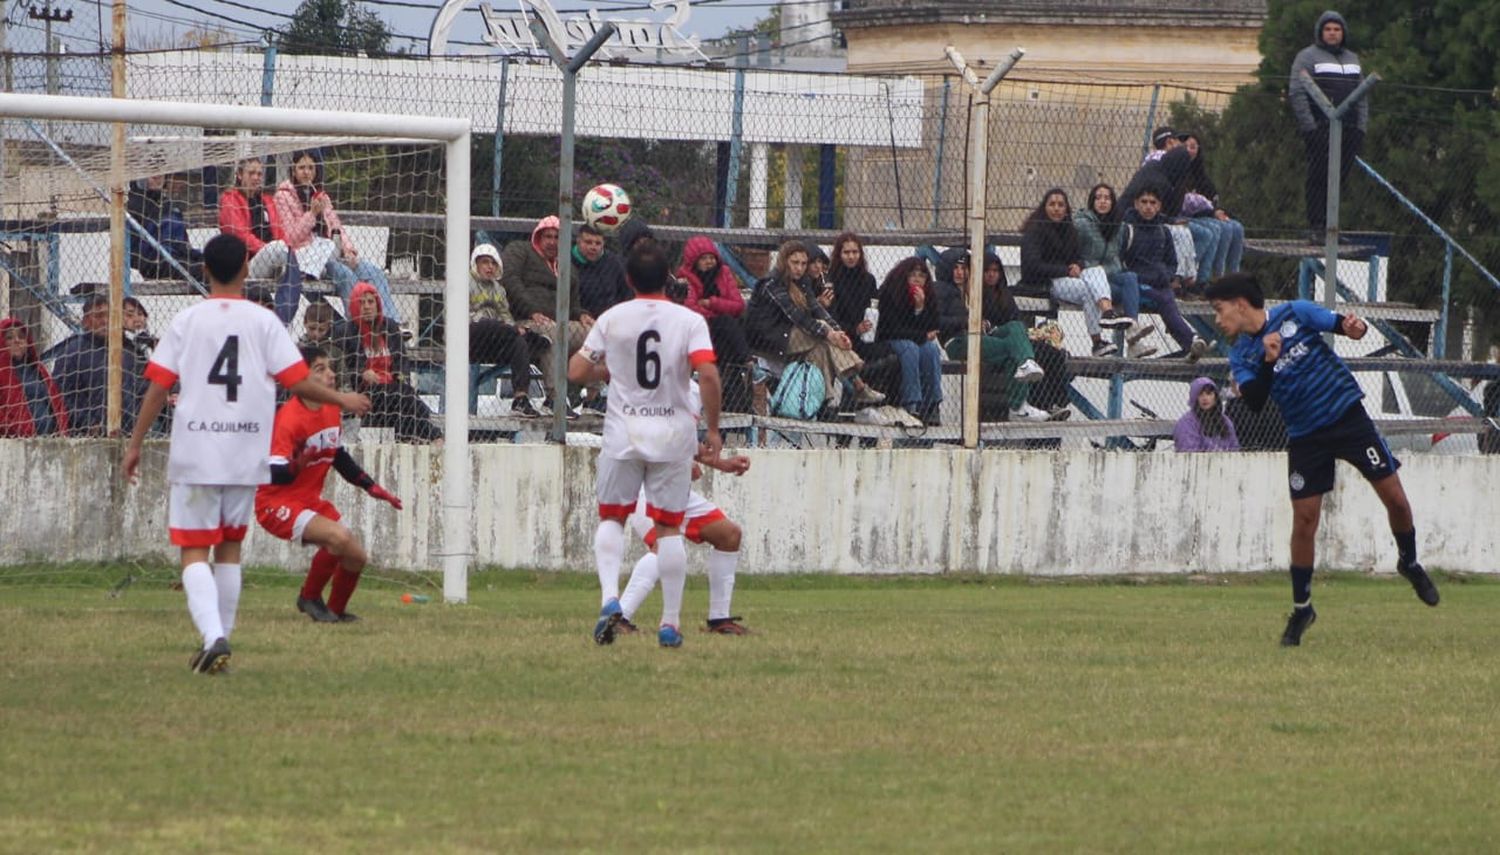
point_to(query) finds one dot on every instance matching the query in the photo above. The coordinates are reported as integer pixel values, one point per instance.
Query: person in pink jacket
(312, 230)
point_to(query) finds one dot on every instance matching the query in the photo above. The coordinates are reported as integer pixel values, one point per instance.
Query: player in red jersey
(306, 442)
(227, 355)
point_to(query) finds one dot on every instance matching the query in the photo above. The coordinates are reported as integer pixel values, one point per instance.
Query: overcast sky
(162, 21)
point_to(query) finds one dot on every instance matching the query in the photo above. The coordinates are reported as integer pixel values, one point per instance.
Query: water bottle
(417, 599)
(872, 315)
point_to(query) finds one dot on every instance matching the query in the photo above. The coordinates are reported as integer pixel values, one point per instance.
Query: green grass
(931, 715)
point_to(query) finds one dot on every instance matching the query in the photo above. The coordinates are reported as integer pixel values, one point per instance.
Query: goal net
(329, 204)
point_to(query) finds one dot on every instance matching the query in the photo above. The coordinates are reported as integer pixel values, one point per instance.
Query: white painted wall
(899, 511)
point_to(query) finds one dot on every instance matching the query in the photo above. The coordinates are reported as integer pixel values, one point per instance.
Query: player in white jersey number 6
(648, 348)
(227, 354)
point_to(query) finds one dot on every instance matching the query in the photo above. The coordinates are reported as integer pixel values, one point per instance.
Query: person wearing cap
(1165, 173)
(495, 338)
(81, 371)
(1335, 70)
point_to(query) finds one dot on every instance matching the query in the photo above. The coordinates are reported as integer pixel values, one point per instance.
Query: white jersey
(228, 354)
(650, 346)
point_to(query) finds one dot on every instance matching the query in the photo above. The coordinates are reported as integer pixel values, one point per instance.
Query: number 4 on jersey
(226, 369)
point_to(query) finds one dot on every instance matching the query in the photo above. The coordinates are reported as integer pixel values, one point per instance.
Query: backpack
(800, 394)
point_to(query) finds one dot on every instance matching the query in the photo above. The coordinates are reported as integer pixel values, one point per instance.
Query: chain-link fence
(749, 157)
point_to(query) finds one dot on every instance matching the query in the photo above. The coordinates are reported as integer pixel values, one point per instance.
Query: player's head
(647, 268)
(317, 321)
(319, 365)
(1238, 303)
(224, 259)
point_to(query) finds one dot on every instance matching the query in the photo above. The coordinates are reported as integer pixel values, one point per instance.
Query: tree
(1434, 133)
(336, 27)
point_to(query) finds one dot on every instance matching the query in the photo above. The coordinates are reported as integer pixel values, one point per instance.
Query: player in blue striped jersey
(1281, 355)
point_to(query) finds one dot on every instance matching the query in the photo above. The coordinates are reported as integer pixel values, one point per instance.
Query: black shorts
(1352, 438)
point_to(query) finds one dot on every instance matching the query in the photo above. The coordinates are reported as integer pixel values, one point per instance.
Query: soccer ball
(606, 207)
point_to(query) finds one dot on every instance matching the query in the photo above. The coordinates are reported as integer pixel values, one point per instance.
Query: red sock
(344, 583)
(323, 565)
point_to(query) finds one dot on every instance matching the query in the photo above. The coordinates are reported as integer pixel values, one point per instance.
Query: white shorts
(699, 513)
(208, 515)
(667, 486)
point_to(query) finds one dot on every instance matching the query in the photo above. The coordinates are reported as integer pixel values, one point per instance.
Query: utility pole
(48, 16)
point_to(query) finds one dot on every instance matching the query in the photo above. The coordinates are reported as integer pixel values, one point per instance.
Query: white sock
(721, 582)
(642, 580)
(203, 601)
(227, 580)
(609, 554)
(671, 562)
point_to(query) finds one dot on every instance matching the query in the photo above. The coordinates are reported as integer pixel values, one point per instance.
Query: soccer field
(904, 714)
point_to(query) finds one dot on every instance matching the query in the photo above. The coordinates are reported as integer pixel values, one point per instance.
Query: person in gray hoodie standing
(1335, 70)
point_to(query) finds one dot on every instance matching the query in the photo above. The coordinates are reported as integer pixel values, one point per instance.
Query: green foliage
(336, 27)
(1434, 133)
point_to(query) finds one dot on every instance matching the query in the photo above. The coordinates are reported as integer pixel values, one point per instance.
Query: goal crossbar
(454, 134)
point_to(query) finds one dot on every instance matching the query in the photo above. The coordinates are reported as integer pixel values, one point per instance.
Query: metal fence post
(978, 184)
(569, 68)
(499, 153)
(1151, 118)
(1335, 116)
(942, 139)
(736, 138)
(1440, 335)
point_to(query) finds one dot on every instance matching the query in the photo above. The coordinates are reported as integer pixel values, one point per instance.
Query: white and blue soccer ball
(606, 207)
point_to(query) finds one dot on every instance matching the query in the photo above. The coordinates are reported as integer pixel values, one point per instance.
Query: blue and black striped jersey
(1312, 386)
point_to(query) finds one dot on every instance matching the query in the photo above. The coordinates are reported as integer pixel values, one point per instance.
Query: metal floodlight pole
(1335, 165)
(978, 183)
(569, 69)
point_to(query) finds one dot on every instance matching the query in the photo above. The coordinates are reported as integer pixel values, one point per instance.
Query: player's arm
(151, 407)
(1325, 320)
(737, 465)
(710, 389)
(349, 401)
(1255, 379)
(584, 370)
(349, 469)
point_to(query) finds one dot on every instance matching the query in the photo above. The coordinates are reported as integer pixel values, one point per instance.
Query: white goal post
(454, 134)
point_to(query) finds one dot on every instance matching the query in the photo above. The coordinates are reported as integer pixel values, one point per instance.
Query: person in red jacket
(248, 210)
(30, 403)
(714, 293)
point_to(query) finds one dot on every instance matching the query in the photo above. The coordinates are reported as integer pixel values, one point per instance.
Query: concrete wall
(900, 511)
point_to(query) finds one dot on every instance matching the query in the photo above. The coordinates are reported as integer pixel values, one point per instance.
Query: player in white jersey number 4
(648, 348)
(226, 354)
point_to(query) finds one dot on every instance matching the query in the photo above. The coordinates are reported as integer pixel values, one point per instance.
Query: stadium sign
(511, 33)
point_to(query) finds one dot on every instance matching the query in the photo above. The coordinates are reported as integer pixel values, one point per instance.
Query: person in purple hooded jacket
(1204, 427)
